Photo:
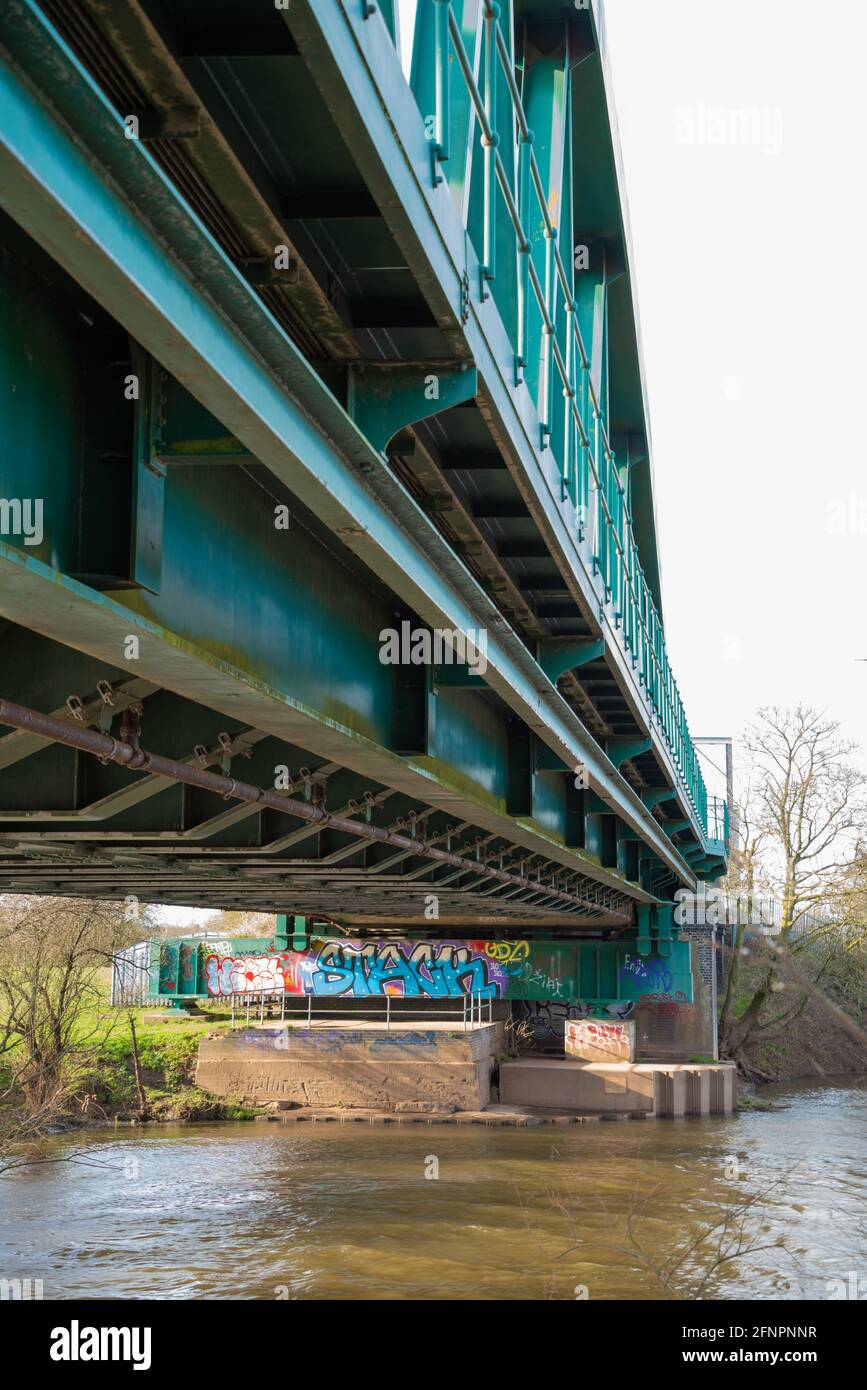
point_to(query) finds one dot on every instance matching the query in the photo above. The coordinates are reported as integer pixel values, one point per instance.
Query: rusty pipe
(112, 750)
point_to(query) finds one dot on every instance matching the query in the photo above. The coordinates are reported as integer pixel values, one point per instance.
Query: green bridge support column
(664, 914)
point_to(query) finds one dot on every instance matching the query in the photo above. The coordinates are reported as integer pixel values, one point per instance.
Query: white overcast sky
(750, 265)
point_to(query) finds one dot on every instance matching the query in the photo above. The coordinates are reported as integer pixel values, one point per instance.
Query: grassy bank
(167, 1054)
(813, 1045)
(101, 1076)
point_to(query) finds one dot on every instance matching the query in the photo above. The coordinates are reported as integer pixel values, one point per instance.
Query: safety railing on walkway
(246, 1008)
(718, 820)
(573, 427)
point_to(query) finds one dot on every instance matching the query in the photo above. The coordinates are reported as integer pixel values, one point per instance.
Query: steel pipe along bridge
(328, 563)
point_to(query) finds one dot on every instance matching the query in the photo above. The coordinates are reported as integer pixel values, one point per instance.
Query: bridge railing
(473, 1011)
(718, 820)
(544, 292)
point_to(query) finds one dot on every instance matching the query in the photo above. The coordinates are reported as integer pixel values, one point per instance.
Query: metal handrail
(718, 820)
(614, 555)
(471, 1012)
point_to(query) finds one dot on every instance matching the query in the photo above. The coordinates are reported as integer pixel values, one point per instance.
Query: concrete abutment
(440, 1068)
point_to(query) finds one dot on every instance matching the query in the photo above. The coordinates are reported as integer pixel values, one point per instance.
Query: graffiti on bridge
(512, 955)
(424, 970)
(600, 1041)
(543, 1023)
(359, 969)
(671, 1006)
(653, 974)
(551, 981)
(225, 975)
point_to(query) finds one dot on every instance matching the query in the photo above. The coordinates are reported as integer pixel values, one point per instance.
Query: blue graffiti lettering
(430, 970)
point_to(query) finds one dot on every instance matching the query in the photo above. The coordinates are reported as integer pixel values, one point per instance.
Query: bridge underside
(83, 826)
(250, 468)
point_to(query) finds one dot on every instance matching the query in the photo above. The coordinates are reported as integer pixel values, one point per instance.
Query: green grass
(168, 1049)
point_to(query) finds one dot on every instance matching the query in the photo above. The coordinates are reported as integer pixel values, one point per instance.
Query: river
(604, 1211)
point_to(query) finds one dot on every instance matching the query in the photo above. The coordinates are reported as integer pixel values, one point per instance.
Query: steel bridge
(307, 338)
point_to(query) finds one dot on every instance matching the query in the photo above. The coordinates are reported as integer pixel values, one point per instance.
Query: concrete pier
(440, 1068)
(354, 1064)
(661, 1089)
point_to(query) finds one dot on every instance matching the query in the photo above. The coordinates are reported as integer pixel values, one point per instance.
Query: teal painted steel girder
(621, 750)
(61, 196)
(557, 657)
(385, 397)
(656, 795)
(355, 66)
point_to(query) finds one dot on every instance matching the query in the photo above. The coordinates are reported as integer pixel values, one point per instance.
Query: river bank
(813, 1044)
(107, 1095)
(168, 1043)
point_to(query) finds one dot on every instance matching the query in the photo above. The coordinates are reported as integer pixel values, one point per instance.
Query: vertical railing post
(547, 340)
(614, 509)
(524, 155)
(489, 144)
(599, 509)
(567, 486)
(582, 457)
(440, 149)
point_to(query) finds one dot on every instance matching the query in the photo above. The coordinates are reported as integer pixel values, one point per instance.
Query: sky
(743, 129)
(744, 135)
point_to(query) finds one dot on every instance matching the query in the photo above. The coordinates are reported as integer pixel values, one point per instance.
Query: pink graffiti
(226, 975)
(611, 1038)
(672, 1006)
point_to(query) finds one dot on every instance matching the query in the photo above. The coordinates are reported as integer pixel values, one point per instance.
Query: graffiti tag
(426, 970)
(587, 1038)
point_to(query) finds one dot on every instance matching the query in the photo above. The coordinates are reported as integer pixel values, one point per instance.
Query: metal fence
(251, 1008)
(130, 975)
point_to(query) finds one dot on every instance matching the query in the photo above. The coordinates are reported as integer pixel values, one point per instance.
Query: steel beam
(251, 377)
(354, 66)
(131, 755)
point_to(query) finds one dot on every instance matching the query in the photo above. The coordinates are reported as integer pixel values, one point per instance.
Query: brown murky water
(622, 1210)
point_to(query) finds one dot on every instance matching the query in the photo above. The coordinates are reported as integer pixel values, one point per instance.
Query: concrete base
(344, 1064)
(655, 1088)
(493, 1116)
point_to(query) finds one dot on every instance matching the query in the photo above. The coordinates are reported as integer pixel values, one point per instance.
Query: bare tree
(743, 879)
(229, 923)
(54, 957)
(804, 816)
